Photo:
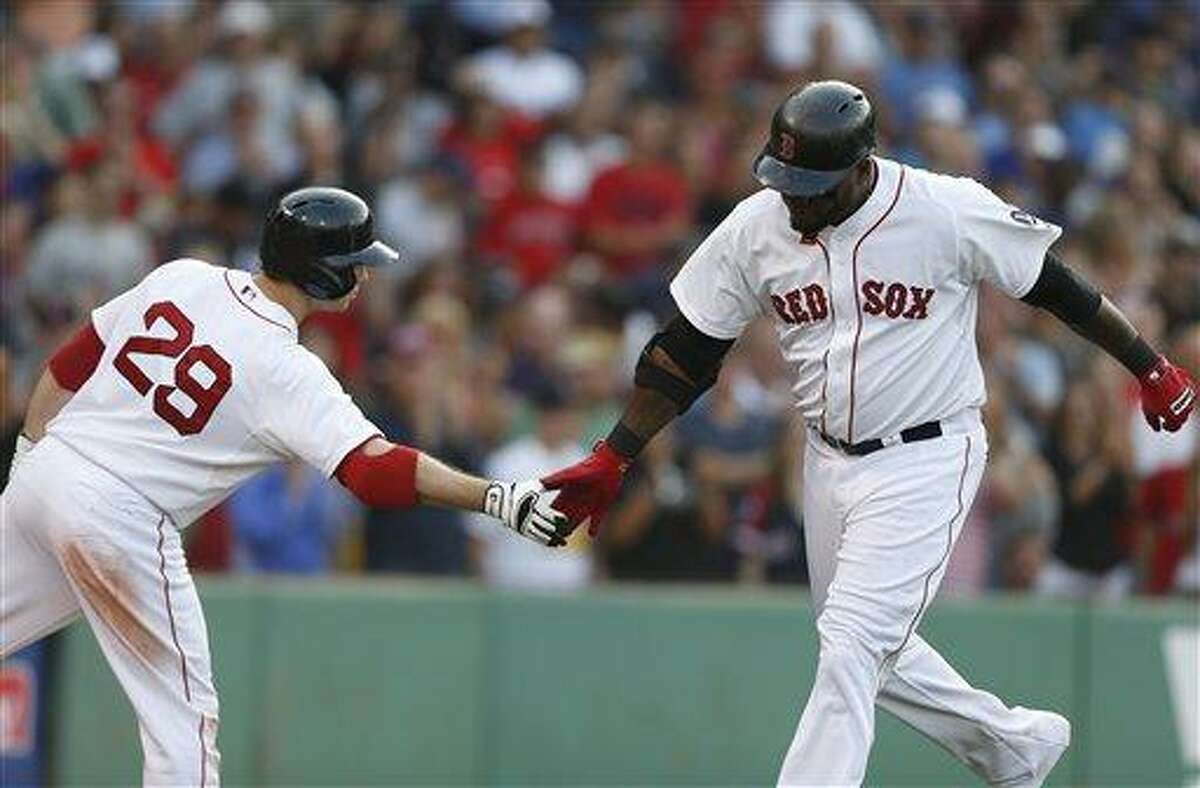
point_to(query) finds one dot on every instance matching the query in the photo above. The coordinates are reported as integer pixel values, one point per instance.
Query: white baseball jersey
(201, 385)
(876, 318)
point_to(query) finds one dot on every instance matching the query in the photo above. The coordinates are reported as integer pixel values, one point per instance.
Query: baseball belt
(921, 432)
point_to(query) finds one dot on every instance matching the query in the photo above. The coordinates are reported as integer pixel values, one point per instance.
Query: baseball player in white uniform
(869, 272)
(170, 396)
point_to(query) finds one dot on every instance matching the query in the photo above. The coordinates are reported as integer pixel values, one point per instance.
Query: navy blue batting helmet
(316, 237)
(818, 134)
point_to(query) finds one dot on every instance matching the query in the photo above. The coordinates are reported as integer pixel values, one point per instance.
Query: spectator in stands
(837, 37)
(421, 213)
(1165, 467)
(530, 235)
(486, 141)
(542, 318)
(243, 64)
(1089, 560)
(521, 73)
(88, 253)
(733, 452)
(239, 149)
(590, 362)
(288, 520)
(517, 563)
(657, 529)
(921, 66)
(148, 173)
(10, 417)
(638, 212)
(399, 119)
(411, 407)
(583, 147)
(1017, 507)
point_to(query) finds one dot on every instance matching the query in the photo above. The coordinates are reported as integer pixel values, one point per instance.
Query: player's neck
(286, 295)
(865, 191)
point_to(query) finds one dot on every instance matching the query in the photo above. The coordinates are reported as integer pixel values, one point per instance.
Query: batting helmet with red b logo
(818, 134)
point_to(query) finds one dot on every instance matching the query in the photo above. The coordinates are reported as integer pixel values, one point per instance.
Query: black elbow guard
(693, 351)
(651, 375)
(1064, 293)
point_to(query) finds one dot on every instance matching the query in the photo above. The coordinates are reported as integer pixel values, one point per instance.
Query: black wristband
(625, 441)
(1138, 357)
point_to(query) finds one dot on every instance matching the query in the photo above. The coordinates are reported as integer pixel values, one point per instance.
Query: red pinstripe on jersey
(858, 304)
(183, 666)
(962, 477)
(833, 327)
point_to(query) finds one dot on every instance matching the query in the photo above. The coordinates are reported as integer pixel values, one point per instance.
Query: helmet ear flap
(328, 284)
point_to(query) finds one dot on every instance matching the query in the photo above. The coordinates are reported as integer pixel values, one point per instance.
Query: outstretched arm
(1168, 392)
(678, 365)
(383, 474)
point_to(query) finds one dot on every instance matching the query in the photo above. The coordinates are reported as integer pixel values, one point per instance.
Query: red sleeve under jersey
(383, 481)
(75, 361)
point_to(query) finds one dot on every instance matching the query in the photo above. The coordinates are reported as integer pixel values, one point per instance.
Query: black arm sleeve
(696, 353)
(661, 393)
(1068, 296)
(1064, 293)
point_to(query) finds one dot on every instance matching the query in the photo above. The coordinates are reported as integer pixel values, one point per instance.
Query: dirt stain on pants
(107, 591)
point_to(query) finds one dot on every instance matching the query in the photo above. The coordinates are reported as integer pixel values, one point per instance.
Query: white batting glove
(22, 448)
(525, 508)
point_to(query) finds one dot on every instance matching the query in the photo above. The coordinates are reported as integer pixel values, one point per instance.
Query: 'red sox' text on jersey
(861, 310)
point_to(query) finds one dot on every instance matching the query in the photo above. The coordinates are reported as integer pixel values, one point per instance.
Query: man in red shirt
(487, 140)
(639, 211)
(530, 233)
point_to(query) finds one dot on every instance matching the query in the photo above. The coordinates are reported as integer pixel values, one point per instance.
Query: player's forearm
(440, 485)
(1111, 331)
(1072, 299)
(646, 413)
(676, 367)
(47, 400)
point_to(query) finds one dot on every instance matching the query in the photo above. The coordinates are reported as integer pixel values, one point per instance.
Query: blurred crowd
(544, 169)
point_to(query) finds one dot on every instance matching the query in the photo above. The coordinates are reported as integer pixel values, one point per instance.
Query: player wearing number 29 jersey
(167, 398)
(202, 384)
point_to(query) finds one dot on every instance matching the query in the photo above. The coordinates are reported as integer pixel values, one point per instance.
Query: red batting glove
(1168, 395)
(588, 488)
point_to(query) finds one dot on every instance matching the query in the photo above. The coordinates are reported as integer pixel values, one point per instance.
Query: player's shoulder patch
(1021, 217)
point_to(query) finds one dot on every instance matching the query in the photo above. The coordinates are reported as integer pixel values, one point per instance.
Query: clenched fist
(1168, 396)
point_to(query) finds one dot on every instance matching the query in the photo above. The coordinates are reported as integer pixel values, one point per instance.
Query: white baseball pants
(879, 530)
(74, 538)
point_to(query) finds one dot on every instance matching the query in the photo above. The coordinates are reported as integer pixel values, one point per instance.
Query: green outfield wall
(426, 683)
